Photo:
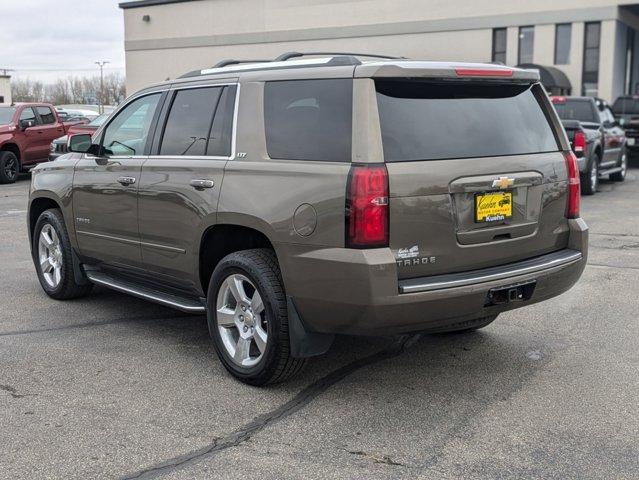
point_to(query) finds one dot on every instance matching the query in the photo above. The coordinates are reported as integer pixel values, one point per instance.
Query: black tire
(468, 325)
(589, 179)
(9, 167)
(69, 286)
(260, 267)
(623, 163)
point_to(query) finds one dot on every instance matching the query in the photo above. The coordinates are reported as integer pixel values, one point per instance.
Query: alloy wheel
(50, 256)
(624, 165)
(11, 168)
(241, 320)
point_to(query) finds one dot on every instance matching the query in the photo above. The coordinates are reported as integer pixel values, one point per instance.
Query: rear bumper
(357, 291)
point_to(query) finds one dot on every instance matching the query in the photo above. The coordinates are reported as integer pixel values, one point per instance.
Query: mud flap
(78, 270)
(305, 343)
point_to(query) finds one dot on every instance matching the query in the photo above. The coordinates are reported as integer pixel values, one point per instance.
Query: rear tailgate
(476, 175)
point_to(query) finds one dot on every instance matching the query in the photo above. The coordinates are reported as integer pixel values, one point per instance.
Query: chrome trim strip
(563, 258)
(108, 237)
(168, 300)
(132, 242)
(162, 247)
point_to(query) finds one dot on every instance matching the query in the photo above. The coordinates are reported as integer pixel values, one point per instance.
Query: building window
(630, 64)
(590, 76)
(1, 99)
(563, 32)
(499, 45)
(526, 45)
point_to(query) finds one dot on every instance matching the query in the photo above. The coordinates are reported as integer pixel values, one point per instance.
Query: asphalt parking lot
(113, 387)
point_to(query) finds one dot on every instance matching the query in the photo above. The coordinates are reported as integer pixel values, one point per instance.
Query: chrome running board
(185, 304)
(561, 258)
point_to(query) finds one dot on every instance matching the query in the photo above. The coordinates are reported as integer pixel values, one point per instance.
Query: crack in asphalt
(14, 393)
(97, 323)
(299, 401)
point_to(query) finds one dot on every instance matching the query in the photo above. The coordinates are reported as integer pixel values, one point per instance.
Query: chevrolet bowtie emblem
(503, 182)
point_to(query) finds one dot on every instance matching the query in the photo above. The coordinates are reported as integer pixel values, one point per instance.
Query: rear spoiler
(443, 70)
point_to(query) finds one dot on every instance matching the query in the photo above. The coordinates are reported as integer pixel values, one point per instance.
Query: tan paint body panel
(334, 288)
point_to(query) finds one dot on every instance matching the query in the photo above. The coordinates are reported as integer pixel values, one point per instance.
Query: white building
(593, 42)
(5, 88)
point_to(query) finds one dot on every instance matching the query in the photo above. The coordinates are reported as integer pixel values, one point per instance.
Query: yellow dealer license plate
(493, 206)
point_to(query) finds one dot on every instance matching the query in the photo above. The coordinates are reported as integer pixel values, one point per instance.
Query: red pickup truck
(26, 133)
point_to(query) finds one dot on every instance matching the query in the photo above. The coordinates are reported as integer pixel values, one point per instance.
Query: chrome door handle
(126, 180)
(202, 184)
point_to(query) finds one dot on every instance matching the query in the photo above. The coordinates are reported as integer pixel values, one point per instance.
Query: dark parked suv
(318, 195)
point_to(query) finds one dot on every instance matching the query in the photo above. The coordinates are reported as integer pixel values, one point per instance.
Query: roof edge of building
(149, 3)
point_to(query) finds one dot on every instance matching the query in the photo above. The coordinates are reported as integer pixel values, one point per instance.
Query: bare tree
(80, 90)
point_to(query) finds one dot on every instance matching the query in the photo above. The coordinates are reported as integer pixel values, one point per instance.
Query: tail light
(579, 143)
(367, 207)
(574, 194)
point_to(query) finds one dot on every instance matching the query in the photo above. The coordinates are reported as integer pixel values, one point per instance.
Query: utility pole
(101, 100)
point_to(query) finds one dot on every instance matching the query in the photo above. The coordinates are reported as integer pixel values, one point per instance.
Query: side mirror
(622, 122)
(81, 143)
(24, 124)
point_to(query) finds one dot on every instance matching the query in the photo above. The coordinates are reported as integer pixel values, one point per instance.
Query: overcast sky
(48, 39)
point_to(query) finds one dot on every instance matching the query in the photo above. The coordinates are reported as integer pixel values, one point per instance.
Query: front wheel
(247, 318)
(53, 258)
(621, 175)
(9, 167)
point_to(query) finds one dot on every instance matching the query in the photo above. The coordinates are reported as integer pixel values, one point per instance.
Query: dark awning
(551, 77)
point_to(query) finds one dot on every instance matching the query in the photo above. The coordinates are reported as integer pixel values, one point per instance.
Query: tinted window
(189, 121)
(46, 114)
(309, 119)
(427, 121)
(200, 122)
(222, 130)
(526, 44)
(128, 132)
(6, 115)
(626, 105)
(582, 110)
(562, 43)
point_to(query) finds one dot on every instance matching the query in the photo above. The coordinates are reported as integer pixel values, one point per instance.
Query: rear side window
(199, 122)
(423, 120)
(46, 114)
(582, 110)
(309, 119)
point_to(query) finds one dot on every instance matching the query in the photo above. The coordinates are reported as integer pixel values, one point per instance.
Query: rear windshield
(6, 115)
(623, 106)
(582, 110)
(430, 121)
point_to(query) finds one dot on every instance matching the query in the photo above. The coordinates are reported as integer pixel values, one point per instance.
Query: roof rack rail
(231, 61)
(289, 55)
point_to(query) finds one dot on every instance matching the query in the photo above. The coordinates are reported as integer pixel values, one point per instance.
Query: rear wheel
(623, 163)
(247, 318)
(590, 178)
(9, 167)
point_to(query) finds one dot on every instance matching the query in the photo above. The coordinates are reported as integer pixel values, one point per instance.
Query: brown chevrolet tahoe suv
(316, 195)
